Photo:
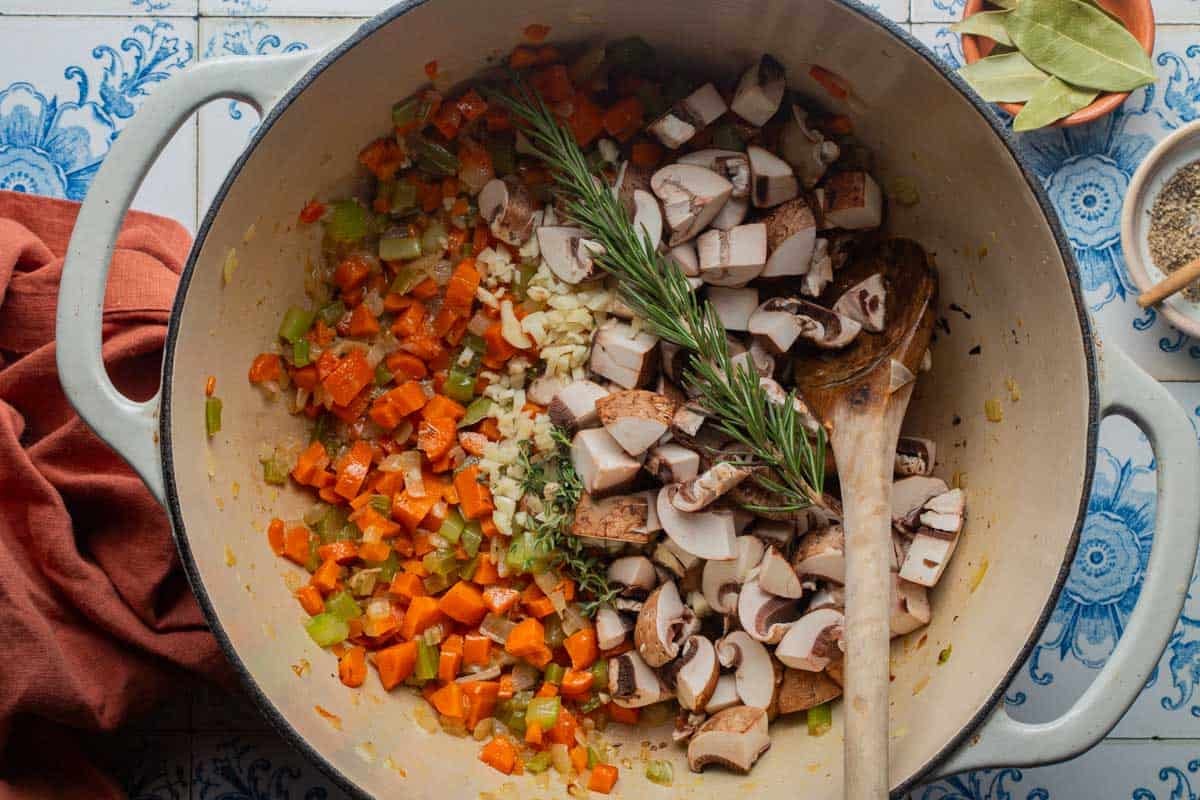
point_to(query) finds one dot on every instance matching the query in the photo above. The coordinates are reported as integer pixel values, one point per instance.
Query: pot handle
(130, 427)
(1002, 741)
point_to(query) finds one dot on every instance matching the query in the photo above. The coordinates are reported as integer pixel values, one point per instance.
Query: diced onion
(525, 676)
(414, 482)
(479, 323)
(573, 620)
(402, 432)
(489, 674)
(560, 758)
(393, 463)
(496, 628)
(315, 513)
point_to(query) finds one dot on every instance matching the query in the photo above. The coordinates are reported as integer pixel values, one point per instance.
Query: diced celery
(428, 656)
(274, 472)
(591, 704)
(434, 584)
(820, 719)
(327, 629)
(212, 415)
(555, 635)
(467, 570)
(459, 386)
(330, 528)
(526, 554)
(382, 376)
(343, 606)
(595, 757)
(296, 322)
(332, 314)
(404, 198)
(472, 538)
(381, 503)
(348, 222)
(476, 343)
(660, 772)
(631, 53)
(362, 583)
(599, 672)
(543, 711)
(554, 673)
(433, 158)
(452, 527)
(300, 350)
(504, 156)
(314, 558)
(433, 240)
(512, 712)
(388, 568)
(440, 562)
(539, 763)
(399, 248)
(406, 278)
(405, 112)
(476, 411)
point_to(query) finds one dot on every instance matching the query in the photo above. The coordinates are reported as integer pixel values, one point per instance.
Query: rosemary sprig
(656, 290)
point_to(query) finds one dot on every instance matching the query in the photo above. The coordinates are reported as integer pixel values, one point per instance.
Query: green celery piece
(327, 629)
(433, 239)
(459, 386)
(554, 673)
(820, 719)
(539, 763)
(381, 503)
(467, 570)
(1007, 78)
(300, 353)
(274, 472)
(382, 376)
(660, 772)
(555, 635)
(343, 606)
(388, 568)
(332, 314)
(428, 656)
(452, 526)
(476, 412)
(543, 711)
(599, 672)
(433, 158)
(212, 416)
(594, 757)
(405, 112)
(404, 198)
(440, 562)
(985, 23)
(472, 538)
(296, 322)
(348, 222)
(1054, 100)
(435, 584)
(406, 278)
(330, 528)
(399, 248)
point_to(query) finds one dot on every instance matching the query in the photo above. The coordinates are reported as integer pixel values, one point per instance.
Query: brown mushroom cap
(661, 625)
(733, 738)
(802, 690)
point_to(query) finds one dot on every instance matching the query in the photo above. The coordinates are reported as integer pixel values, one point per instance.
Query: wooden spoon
(860, 394)
(1177, 281)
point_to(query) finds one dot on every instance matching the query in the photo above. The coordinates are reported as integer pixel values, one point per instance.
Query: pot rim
(871, 16)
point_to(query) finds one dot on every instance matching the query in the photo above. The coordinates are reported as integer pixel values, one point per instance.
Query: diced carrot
(579, 759)
(423, 543)
(533, 734)
(582, 648)
(396, 664)
(313, 210)
(382, 157)
(499, 350)
(265, 367)
(351, 272)
(547, 689)
(563, 731)
(422, 612)
(426, 289)
(488, 526)
(617, 713)
(448, 700)
(363, 322)
(528, 641)
(310, 599)
(474, 498)
(830, 82)
(477, 649)
(374, 526)
(522, 57)
(409, 510)
(552, 83)
(576, 683)
(508, 687)
(407, 398)
(471, 105)
(275, 531)
(603, 778)
(441, 406)
(450, 658)
(435, 436)
(499, 753)
(405, 365)
(342, 552)
(350, 412)
(463, 602)
(500, 599)
(486, 573)
(460, 291)
(306, 377)
(374, 551)
(481, 700)
(352, 470)
(490, 428)
(410, 321)
(406, 585)
(623, 118)
(312, 460)
(586, 121)
(536, 32)
(448, 120)
(444, 322)
(352, 667)
(481, 238)
(325, 579)
(540, 608)
(497, 119)
(351, 375)
(646, 154)
(296, 544)
(472, 443)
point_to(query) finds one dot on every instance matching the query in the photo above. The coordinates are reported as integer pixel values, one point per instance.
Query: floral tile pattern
(61, 108)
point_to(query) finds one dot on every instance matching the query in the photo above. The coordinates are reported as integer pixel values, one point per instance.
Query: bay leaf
(1007, 5)
(1007, 78)
(985, 23)
(1052, 101)
(1079, 43)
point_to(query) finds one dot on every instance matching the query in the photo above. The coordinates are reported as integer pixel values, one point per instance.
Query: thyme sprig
(656, 290)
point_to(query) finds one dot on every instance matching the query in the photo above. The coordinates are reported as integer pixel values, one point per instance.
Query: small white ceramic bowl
(1170, 155)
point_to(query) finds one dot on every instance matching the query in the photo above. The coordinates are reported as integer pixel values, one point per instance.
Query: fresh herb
(1006, 78)
(657, 291)
(985, 23)
(1053, 100)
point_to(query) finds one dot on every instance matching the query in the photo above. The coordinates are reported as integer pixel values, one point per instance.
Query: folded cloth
(96, 619)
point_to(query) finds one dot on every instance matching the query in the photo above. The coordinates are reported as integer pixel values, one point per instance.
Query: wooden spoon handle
(1175, 282)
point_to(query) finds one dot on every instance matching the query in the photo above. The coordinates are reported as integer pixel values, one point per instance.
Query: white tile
(96, 75)
(226, 125)
(1110, 771)
(1175, 11)
(937, 10)
(159, 8)
(293, 8)
(938, 37)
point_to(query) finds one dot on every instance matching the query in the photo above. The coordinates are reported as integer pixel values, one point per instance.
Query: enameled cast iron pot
(1000, 253)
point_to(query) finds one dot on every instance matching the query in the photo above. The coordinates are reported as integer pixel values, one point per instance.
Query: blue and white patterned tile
(255, 767)
(159, 8)
(937, 10)
(62, 105)
(226, 125)
(938, 37)
(1113, 770)
(895, 10)
(293, 8)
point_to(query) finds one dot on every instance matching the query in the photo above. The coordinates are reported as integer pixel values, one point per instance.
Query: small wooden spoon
(1173, 283)
(861, 394)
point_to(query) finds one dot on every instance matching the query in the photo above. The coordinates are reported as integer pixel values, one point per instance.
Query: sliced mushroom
(691, 197)
(686, 724)
(777, 577)
(809, 153)
(695, 673)
(630, 178)
(760, 91)
(733, 738)
(910, 606)
(778, 533)
(724, 695)
(620, 519)
(944, 512)
(672, 463)
(778, 395)
(733, 306)
(686, 257)
(837, 672)
(765, 616)
(624, 356)
(791, 236)
(635, 574)
(802, 690)
(813, 641)
(627, 605)
(722, 580)
(560, 247)
(866, 303)
(611, 627)
(783, 320)
(927, 557)
(700, 492)
(828, 596)
(601, 463)
(772, 179)
(909, 496)
(632, 683)
(731, 215)
(820, 270)
(914, 456)
(734, 257)
(687, 423)
(754, 677)
(852, 200)
(648, 217)
(508, 209)
(822, 554)
(729, 164)
(708, 534)
(574, 406)
(661, 624)
(689, 116)
(636, 418)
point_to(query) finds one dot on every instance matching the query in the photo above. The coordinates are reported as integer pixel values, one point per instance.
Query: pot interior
(1019, 333)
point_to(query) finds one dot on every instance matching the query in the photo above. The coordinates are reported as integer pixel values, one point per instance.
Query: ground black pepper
(1174, 237)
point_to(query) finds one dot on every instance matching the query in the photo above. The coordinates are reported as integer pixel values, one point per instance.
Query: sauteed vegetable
(560, 477)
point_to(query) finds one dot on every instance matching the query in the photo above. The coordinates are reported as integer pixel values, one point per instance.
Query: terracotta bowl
(1137, 16)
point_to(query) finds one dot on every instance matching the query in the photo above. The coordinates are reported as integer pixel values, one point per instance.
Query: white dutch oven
(1029, 475)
